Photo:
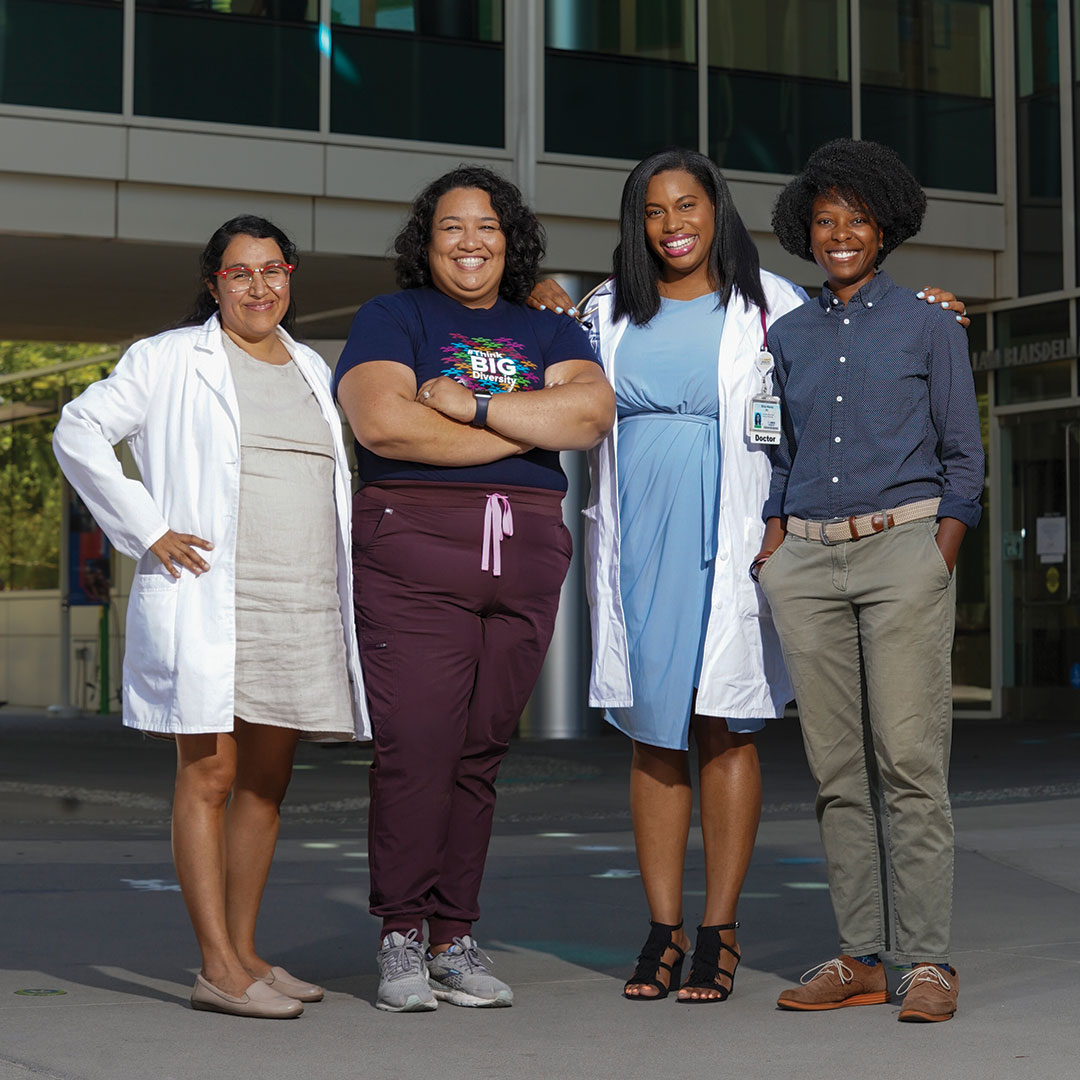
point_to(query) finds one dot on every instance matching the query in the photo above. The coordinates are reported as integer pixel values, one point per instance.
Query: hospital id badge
(763, 419)
(763, 409)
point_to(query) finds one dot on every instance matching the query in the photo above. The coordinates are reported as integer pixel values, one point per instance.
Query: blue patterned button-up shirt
(878, 408)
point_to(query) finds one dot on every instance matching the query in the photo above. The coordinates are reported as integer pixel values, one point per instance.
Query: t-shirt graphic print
(498, 365)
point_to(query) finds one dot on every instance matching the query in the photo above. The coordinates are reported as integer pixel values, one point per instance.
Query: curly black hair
(524, 234)
(864, 174)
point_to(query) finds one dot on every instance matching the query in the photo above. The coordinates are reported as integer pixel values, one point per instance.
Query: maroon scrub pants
(451, 653)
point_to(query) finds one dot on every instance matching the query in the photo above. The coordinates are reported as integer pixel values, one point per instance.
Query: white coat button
(723, 555)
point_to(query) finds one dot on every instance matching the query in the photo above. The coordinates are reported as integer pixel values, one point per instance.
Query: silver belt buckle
(823, 525)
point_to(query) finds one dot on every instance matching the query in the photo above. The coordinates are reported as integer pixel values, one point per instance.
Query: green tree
(30, 489)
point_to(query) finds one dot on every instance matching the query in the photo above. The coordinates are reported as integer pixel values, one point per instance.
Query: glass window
(418, 69)
(1038, 146)
(629, 63)
(63, 54)
(234, 61)
(778, 81)
(928, 89)
(1033, 333)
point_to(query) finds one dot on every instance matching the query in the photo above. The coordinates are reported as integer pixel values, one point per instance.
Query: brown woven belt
(841, 530)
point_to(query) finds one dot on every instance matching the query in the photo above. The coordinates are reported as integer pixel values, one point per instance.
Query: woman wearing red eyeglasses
(240, 636)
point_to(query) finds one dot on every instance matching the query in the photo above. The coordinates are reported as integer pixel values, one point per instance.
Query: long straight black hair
(733, 257)
(210, 260)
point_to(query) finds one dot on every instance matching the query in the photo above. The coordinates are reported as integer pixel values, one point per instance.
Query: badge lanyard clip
(763, 408)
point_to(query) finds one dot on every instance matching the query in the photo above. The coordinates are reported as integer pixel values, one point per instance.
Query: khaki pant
(867, 628)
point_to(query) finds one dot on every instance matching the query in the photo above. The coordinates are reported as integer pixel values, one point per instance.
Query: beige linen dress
(290, 644)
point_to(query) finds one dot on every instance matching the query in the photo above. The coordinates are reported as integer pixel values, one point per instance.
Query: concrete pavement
(89, 906)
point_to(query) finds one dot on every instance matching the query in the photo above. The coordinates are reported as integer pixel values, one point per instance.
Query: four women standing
(460, 398)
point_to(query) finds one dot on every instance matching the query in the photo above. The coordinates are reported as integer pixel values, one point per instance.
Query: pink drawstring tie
(498, 522)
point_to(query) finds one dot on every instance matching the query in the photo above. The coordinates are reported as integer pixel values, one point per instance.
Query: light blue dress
(669, 482)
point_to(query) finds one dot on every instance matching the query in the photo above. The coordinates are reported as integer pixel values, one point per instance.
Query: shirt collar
(871, 293)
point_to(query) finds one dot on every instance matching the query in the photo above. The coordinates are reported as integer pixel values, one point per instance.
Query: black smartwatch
(483, 398)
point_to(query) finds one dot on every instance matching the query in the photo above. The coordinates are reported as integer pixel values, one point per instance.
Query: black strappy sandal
(651, 961)
(705, 967)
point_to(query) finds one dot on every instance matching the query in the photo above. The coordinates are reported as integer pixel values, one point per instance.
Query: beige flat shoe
(259, 1000)
(277, 978)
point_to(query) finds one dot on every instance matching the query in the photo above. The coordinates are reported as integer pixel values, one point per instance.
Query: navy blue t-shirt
(505, 349)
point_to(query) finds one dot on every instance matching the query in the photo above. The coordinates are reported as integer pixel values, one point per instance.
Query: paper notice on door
(1050, 539)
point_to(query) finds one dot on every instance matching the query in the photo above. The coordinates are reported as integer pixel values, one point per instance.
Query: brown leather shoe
(929, 994)
(837, 984)
(277, 978)
(258, 1001)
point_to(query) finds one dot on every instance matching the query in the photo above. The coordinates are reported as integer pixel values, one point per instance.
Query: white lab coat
(172, 398)
(742, 674)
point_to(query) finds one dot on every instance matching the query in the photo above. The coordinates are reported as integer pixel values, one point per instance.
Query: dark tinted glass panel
(928, 88)
(640, 54)
(63, 54)
(1038, 146)
(466, 20)
(393, 61)
(778, 81)
(1033, 326)
(946, 140)
(771, 123)
(194, 61)
(657, 105)
(396, 84)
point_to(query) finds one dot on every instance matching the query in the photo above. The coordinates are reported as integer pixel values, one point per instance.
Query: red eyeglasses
(239, 278)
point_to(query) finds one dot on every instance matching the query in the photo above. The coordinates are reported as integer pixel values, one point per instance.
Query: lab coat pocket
(152, 637)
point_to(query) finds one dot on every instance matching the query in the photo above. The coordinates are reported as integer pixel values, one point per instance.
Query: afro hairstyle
(864, 174)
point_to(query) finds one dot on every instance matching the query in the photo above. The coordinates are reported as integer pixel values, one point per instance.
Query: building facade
(129, 129)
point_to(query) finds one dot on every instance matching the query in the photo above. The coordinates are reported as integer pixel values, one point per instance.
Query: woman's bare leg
(205, 770)
(660, 804)
(730, 777)
(263, 770)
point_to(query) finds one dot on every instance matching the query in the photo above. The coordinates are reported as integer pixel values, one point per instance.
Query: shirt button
(837, 439)
(843, 359)
(869, 303)
(846, 321)
(835, 301)
(839, 397)
(836, 479)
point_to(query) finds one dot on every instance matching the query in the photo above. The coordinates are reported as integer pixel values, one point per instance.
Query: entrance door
(1041, 572)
